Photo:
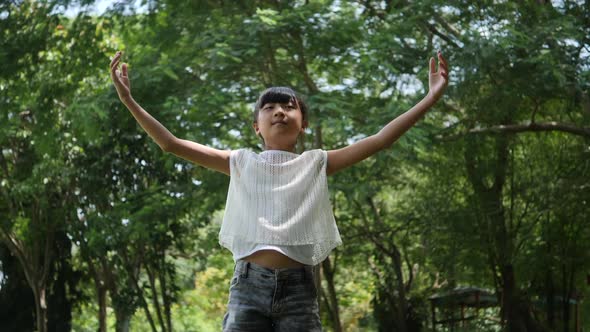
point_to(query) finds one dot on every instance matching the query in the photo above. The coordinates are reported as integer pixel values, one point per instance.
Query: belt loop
(304, 273)
(245, 270)
(241, 267)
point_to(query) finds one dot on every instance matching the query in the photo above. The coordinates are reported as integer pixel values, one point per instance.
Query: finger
(115, 60)
(117, 81)
(116, 77)
(124, 70)
(442, 59)
(442, 68)
(432, 66)
(442, 64)
(115, 65)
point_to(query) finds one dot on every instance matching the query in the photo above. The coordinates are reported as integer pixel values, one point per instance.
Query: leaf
(267, 16)
(170, 73)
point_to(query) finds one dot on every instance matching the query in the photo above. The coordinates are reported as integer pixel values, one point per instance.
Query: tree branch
(447, 25)
(302, 63)
(442, 36)
(520, 128)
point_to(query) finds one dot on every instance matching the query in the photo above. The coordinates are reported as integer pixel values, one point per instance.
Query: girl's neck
(288, 149)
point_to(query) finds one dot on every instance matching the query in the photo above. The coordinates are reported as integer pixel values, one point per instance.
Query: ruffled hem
(230, 239)
(319, 252)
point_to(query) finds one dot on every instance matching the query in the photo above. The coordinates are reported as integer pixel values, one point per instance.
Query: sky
(100, 6)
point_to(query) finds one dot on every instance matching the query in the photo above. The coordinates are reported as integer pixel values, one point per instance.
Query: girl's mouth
(279, 122)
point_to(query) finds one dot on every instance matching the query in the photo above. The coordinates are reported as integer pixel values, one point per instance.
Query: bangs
(281, 95)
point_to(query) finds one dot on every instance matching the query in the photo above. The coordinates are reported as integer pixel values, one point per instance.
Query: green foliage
(455, 201)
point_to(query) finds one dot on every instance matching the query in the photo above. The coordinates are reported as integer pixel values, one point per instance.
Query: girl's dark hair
(281, 95)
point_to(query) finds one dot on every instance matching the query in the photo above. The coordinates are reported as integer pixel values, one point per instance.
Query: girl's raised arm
(197, 153)
(352, 154)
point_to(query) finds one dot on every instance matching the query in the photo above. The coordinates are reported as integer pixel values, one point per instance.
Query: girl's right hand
(120, 78)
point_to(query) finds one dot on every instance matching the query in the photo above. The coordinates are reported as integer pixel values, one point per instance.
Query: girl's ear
(255, 126)
(304, 125)
(257, 130)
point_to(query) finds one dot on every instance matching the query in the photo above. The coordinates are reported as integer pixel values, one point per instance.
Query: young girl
(278, 222)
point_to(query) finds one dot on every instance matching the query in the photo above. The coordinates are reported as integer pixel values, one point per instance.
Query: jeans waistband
(244, 267)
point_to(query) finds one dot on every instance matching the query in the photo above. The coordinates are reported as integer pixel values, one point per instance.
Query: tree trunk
(331, 296)
(568, 282)
(550, 298)
(155, 302)
(40, 308)
(166, 300)
(317, 280)
(102, 308)
(101, 294)
(135, 284)
(123, 321)
(402, 303)
(511, 303)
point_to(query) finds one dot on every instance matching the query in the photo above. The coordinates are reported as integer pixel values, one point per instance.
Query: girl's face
(280, 124)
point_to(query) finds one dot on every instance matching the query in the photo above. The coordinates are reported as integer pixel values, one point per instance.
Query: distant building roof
(467, 296)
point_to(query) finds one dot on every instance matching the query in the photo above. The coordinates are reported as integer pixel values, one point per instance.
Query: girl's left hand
(438, 79)
(120, 78)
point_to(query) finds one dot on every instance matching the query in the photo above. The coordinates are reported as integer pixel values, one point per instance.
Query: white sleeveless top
(279, 200)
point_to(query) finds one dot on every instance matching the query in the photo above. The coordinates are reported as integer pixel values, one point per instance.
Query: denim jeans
(264, 299)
